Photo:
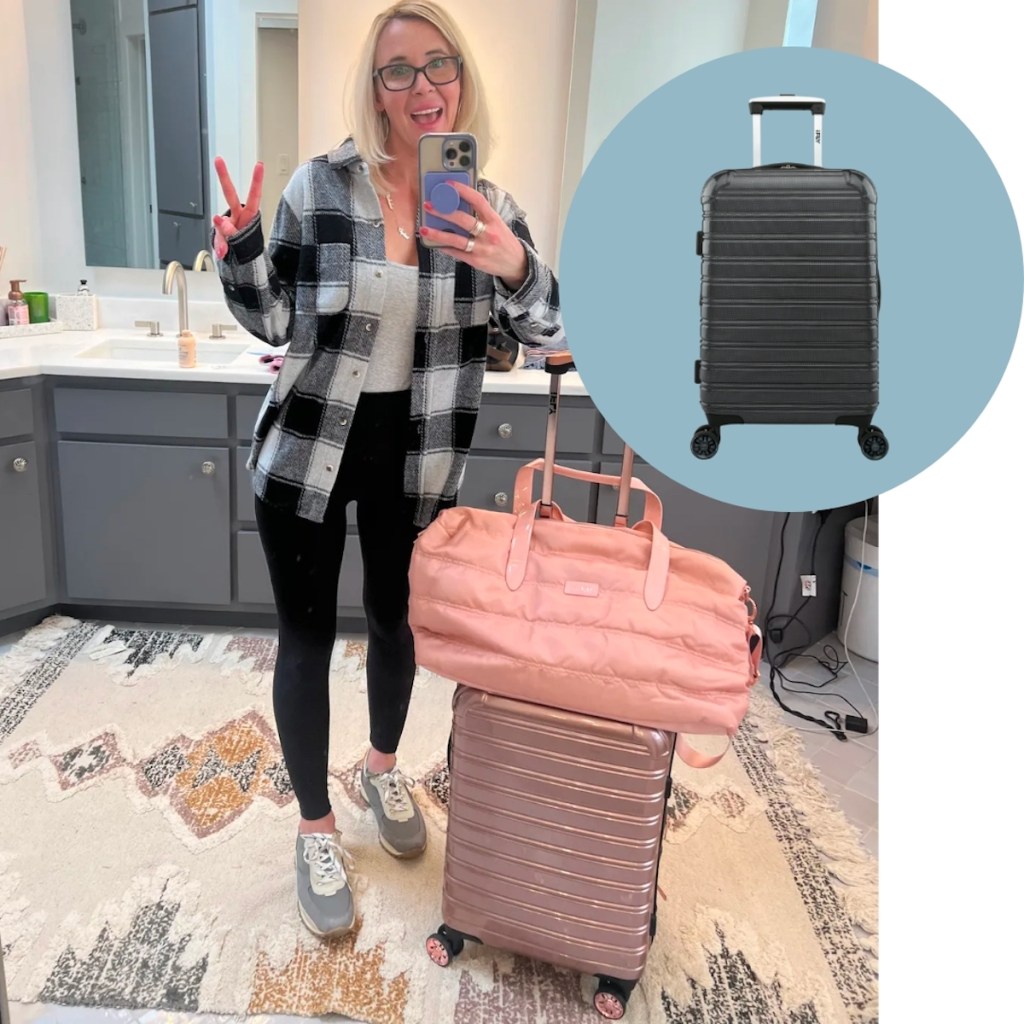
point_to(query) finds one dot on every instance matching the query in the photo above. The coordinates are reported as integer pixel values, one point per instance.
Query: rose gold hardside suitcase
(555, 826)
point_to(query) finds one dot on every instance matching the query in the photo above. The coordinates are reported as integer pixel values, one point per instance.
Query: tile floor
(848, 770)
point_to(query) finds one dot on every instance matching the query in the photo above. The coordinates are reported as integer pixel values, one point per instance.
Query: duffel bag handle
(524, 488)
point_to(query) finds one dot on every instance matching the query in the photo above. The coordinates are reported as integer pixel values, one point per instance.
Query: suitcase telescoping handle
(557, 365)
(787, 101)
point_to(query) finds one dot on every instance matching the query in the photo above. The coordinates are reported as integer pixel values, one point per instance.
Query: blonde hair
(369, 127)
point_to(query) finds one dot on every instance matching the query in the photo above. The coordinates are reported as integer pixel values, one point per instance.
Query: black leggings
(304, 559)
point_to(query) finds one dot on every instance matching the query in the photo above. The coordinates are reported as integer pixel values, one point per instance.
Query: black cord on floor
(830, 720)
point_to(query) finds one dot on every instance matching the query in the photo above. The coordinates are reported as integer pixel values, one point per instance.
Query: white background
(951, 632)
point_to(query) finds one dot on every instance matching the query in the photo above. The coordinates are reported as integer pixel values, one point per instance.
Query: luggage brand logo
(580, 588)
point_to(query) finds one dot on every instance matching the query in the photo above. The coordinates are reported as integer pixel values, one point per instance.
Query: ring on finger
(478, 228)
(469, 244)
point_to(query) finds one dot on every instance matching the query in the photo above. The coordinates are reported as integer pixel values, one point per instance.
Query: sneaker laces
(394, 792)
(327, 858)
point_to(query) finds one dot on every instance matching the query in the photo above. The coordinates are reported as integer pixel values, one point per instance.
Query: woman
(376, 400)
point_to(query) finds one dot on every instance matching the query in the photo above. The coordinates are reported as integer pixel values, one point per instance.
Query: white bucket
(860, 564)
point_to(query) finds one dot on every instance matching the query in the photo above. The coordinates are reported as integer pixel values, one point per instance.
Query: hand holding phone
(444, 158)
(486, 242)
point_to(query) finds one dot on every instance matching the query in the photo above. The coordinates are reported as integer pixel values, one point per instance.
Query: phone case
(437, 170)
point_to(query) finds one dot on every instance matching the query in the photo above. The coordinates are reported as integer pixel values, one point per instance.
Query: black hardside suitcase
(790, 294)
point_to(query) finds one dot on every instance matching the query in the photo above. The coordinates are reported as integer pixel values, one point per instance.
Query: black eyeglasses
(439, 71)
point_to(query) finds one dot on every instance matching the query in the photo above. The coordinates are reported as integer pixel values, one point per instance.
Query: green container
(38, 307)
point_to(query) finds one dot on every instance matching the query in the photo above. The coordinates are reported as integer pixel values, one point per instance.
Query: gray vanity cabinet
(144, 478)
(154, 511)
(23, 568)
(24, 507)
(145, 523)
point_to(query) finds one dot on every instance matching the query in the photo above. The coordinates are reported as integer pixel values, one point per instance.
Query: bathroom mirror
(163, 86)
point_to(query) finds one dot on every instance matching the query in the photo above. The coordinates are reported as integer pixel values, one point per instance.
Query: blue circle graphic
(949, 259)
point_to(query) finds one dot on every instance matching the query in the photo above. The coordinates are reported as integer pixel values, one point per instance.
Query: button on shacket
(317, 286)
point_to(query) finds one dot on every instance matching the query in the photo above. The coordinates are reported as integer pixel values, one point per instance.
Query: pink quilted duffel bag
(617, 622)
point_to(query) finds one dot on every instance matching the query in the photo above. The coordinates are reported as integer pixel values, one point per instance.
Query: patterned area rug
(147, 843)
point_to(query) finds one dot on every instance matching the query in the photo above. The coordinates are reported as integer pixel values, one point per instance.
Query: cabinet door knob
(20, 465)
(209, 467)
(505, 430)
(501, 499)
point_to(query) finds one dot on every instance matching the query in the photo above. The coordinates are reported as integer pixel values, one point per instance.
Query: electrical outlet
(808, 586)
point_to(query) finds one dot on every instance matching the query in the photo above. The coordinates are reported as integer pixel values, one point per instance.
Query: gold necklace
(391, 206)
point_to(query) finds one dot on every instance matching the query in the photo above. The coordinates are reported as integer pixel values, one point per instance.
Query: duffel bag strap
(694, 758)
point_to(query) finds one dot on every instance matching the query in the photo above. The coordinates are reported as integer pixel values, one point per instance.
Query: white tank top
(390, 367)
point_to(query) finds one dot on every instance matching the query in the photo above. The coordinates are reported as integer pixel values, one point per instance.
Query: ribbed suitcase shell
(555, 826)
(789, 296)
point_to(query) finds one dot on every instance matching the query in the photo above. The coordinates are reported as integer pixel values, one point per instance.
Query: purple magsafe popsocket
(444, 198)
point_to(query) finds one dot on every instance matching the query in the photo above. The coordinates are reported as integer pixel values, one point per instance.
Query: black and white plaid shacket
(319, 286)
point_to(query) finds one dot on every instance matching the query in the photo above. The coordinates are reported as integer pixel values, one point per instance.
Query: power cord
(849, 618)
(773, 668)
(830, 720)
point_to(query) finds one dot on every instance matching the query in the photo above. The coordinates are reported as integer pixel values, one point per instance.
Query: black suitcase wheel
(611, 998)
(705, 442)
(444, 946)
(873, 443)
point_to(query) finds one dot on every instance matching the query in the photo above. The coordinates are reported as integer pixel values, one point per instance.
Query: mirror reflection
(155, 106)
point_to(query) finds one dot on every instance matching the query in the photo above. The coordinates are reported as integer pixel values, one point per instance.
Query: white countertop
(61, 354)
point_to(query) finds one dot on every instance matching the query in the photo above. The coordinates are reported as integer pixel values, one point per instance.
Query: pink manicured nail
(428, 205)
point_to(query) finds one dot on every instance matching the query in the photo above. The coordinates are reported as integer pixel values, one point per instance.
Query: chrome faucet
(176, 273)
(203, 261)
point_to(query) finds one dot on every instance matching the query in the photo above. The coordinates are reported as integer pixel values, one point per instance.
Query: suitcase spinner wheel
(612, 997)
(873, 443)
(445, 945)
(705, 442)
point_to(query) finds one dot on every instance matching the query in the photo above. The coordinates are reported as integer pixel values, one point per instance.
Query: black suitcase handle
(787, 101)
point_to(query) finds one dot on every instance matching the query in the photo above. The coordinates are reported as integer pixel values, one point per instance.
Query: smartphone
(445, 157)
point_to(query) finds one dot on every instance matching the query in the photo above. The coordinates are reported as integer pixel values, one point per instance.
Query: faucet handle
(217, 331)
(153, 325)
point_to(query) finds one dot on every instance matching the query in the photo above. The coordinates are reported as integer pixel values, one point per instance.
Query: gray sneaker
(399, 821)
(325, 897)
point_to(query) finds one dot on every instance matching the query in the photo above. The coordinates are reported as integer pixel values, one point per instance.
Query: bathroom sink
(164, 350)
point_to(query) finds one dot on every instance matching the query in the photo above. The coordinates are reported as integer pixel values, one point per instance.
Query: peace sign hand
(241, 214)
(493, 248)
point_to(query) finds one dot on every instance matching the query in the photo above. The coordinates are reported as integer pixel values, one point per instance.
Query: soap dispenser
(17, 307)
(186, 349)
